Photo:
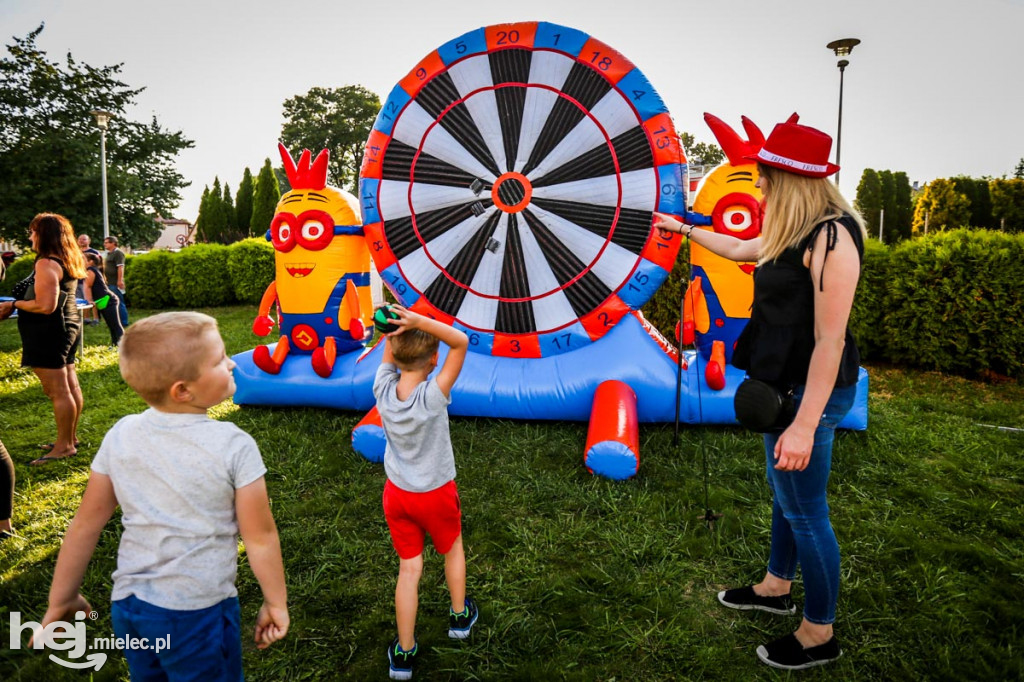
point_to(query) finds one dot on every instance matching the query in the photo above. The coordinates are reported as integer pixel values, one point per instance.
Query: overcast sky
(935, 89)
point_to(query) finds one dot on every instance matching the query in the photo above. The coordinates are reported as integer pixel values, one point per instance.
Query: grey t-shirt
(418, 456)
(175, 477)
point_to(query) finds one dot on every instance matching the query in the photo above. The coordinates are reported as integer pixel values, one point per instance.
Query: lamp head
(102, 118)
(843, 47)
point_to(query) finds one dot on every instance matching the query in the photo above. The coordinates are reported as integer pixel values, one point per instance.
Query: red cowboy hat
(798, 149)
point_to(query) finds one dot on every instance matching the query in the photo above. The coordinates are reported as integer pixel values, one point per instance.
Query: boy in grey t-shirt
(420, 496)
(187, 486)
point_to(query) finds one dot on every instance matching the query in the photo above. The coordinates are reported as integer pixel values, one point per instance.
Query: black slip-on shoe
(745, 599)
(787, 653)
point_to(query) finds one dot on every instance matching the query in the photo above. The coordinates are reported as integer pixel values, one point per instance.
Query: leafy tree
(1018, 172)
(946, 208)
(50, 148)
(337, 119)
(869, 199)
(1008, 204)
(243, 203)
(904, 211)
(976, 191)
(704, 154)
(265, 196)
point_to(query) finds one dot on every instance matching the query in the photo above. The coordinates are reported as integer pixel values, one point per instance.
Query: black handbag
(763, 408)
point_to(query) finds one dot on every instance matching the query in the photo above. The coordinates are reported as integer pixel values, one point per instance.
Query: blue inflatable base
(612, 459)
(558, 388)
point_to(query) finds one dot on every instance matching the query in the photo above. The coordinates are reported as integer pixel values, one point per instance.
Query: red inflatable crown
(306, 175)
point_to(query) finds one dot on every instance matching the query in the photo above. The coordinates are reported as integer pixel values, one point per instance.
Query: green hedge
(954, 302)
(147, 280)
(951, 301)
(18, 270)
(199, 277)
(251, 266)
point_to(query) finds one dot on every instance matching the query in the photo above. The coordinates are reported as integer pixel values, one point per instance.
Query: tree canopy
(265, 196)
(701, 153)
(336, 119)
(945, 208)
(50, 149)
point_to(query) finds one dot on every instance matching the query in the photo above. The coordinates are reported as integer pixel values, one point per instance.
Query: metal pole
(881, 223)
(839, 129)
(103, 174)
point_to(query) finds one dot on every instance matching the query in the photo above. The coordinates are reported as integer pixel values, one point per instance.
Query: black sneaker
(400, 662)
(461, 624)
(788, 654)
(745, 599)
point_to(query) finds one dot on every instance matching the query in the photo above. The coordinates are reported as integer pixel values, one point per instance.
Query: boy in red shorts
(420, 496)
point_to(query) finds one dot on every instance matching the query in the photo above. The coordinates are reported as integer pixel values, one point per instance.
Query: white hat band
(766, 155)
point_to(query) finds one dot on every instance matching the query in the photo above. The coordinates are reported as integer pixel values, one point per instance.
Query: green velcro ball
(382, 320)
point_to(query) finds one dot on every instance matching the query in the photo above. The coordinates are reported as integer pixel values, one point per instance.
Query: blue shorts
(202, 645)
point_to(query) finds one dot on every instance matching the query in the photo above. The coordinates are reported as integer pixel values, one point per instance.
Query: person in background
(101, 297)
(90, 315)
(113, 271)
(50, 325)
(808, 263)
(6, 471)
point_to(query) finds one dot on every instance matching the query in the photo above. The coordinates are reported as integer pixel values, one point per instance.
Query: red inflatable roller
(613, 440)
(368, 437)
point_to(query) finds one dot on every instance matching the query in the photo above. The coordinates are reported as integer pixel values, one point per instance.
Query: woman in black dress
(50, 324)
(101, 297)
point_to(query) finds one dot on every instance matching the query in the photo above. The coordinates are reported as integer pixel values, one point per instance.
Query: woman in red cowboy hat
(809, 257)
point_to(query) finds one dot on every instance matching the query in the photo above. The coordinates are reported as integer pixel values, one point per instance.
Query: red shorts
(411, 515)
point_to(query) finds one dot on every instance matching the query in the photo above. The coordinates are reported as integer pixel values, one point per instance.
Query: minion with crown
(322, 272)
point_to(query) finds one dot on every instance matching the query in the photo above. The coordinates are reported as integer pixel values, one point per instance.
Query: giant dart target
(508, 187)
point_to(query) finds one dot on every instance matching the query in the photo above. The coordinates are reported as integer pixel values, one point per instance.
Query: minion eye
(737, 219)
(284, 232)
(312, 230)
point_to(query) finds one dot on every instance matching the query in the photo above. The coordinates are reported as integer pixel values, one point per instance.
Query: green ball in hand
(382, 320)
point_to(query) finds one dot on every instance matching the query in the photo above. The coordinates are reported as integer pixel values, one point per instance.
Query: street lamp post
(102, 121)
(842, 48)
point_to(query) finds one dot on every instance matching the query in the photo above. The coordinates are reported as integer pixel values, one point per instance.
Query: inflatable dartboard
(508, 186)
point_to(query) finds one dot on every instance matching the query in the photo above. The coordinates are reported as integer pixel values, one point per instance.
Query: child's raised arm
(456, 341)
(263, 547)
(96, 508)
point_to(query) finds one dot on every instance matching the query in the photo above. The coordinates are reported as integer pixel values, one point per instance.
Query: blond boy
(187, 486)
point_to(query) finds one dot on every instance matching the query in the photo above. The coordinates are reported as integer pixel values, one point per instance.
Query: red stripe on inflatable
(664, 141)
(604, 317)
(516, 345)
(503, 36)
(422, 307)
(372, 418)
(662, 248)
(373, 155)
(383, 256)
(609, 62)
(613, 417)
(429, 66)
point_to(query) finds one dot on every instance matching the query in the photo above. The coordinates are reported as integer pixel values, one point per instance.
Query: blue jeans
(122, 309)
(204, 645)
(801, 530)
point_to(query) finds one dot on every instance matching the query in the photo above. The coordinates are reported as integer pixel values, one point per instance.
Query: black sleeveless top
(99, 284)
(776, 345)
(48, 340)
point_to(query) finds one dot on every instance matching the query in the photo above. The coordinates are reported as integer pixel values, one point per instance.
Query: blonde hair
(163, 349)
(413, 348)
(794, 204)
(55, 237)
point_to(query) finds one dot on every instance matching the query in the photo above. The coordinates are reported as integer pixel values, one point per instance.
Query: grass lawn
(578, 577)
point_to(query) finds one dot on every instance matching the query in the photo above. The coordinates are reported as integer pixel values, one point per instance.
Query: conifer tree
(888, 217)
(203, 212)
(215, 221)
(869, 200)
(243, 203)
(265, 196)
(230, 225)
(904, 205)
